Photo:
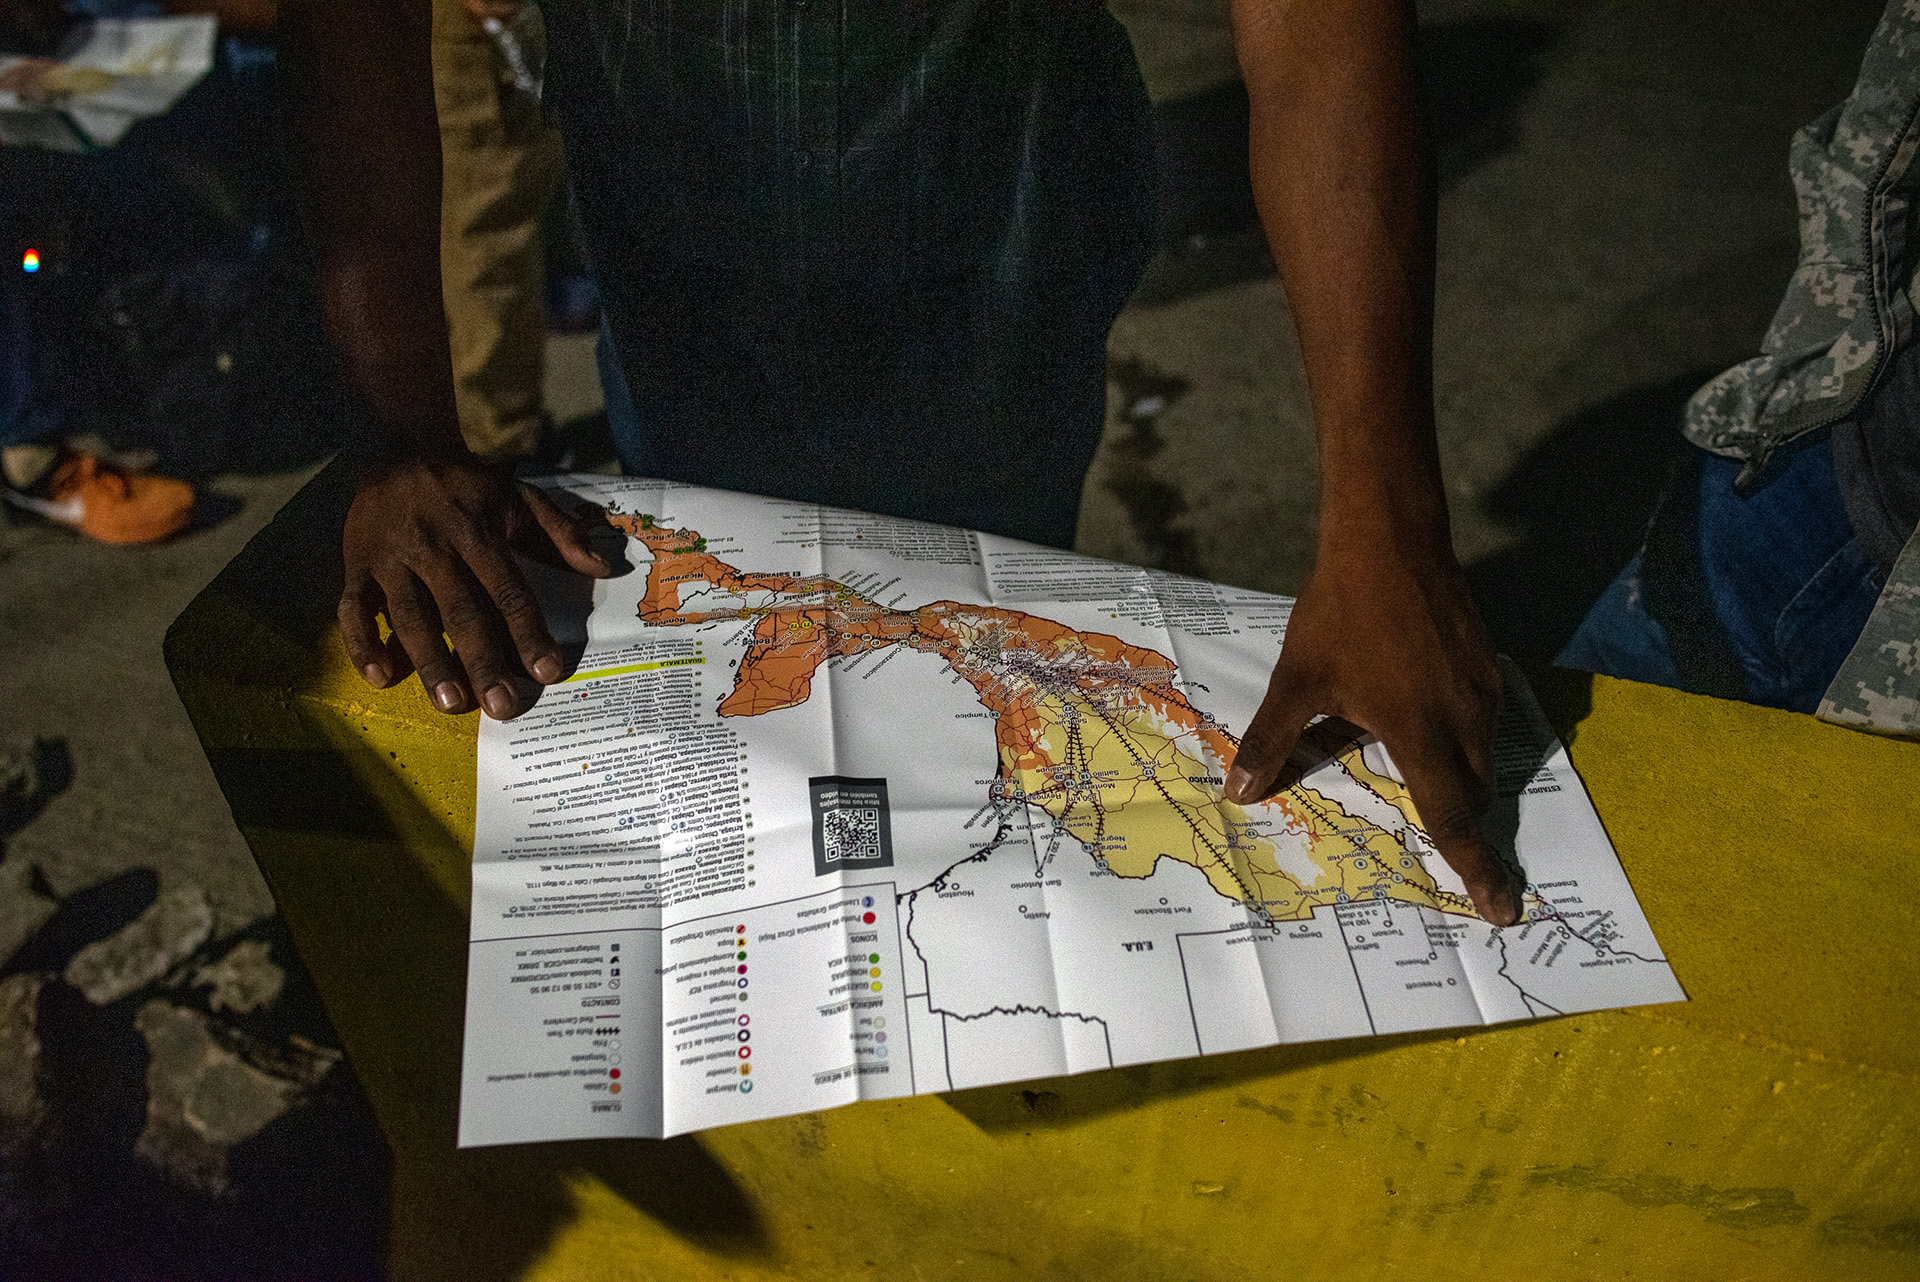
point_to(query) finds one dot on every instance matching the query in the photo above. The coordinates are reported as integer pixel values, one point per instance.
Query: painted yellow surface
(1767, 1129)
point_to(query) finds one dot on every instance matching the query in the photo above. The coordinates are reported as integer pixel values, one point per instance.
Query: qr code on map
(852, 835)
(851, 825)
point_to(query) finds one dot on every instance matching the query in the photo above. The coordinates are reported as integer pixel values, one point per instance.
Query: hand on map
(1396, 648)
(429, 544)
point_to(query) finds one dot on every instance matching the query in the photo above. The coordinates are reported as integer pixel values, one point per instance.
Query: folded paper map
(841, 807)
(116, 72)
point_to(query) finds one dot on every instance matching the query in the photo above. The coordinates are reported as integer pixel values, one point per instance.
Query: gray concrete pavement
(1615, 224)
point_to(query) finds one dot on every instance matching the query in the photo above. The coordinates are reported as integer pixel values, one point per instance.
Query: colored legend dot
(613, 1072)
(615, 1088)
(874, 958)
(876, 985)
(745, 1069)
(30, 261)
(875, 972)
(743, 968)
(742, 955)
(746, 1052)
(867, 918)
(739, 930)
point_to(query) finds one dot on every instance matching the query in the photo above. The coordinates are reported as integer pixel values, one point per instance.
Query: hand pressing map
(1094, 731)
(839, 807)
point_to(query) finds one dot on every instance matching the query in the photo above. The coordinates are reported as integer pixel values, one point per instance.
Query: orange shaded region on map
(1093, 730)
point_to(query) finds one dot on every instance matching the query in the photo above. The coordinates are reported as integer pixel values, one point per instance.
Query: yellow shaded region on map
(630, 668)
(1096, 731)
(1135, 789)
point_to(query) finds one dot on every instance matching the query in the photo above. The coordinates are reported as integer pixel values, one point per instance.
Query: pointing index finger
(1270, 738)
(1450, 798)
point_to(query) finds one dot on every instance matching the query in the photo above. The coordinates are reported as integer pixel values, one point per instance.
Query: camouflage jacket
(1848, 309)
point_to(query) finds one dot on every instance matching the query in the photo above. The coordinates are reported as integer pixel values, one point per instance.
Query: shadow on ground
(1580, 500)
(170, 1106)
(1475, 76)
(121, 1173)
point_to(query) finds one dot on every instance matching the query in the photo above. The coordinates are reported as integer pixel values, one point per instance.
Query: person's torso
(849, 178)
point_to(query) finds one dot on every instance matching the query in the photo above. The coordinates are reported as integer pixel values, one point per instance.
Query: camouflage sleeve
(1878, 687)
(1847, 305)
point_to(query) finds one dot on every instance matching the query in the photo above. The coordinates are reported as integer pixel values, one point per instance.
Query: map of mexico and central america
(1034, 867)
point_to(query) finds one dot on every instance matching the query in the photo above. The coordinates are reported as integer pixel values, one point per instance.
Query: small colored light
(30, 261)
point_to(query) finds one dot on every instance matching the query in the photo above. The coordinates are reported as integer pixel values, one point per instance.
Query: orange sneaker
(108, 503)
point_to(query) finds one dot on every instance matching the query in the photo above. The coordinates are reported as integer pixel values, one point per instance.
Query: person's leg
(1757, 597)
(500, 163)
(1791, 584)
(1619, 638)
(22, 423)
(39, 474)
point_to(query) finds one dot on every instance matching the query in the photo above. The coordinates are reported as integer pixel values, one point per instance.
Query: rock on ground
(22, 1109)
(244, 980)
(145, 949)
(204, 1096)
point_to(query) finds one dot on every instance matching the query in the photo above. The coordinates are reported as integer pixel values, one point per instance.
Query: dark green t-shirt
(879, 235)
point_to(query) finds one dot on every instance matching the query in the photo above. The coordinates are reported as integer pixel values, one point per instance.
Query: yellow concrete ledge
(1767, 1129)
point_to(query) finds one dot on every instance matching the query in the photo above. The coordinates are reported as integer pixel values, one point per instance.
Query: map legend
(781, 1003)
(563, 1044)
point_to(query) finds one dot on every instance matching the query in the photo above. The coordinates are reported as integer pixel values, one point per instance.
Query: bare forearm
(365, 141)
(1384, 633)
(1344, 189)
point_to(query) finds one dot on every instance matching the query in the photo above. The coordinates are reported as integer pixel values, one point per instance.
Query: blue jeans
(1757, 598)
(25, 415)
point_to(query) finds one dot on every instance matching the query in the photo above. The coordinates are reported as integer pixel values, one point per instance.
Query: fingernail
(546, 669)
(375, 674)
(447, 696)
(1239, 784)
(499, 701)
